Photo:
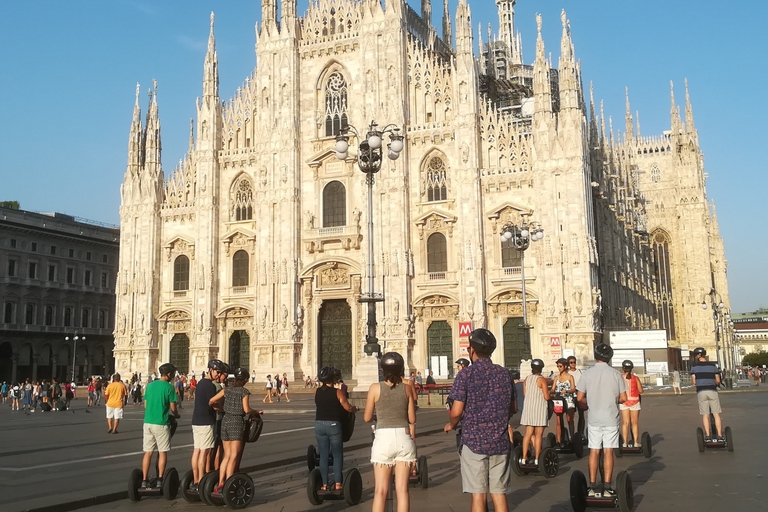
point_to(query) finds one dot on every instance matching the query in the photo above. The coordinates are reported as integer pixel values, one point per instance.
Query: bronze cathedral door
(335, 337)
(239, 349)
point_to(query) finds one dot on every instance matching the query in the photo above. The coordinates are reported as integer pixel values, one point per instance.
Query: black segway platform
(352, 491)
(548, 466)
(568, 445)
(168, 490)
(624, 498)
(646, 448)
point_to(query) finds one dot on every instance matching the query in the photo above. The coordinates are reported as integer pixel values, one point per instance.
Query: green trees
(755, 359)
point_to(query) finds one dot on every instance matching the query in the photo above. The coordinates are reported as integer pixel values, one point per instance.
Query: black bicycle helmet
(483, 341)
(463, 361)
(699, 352)
(393, 363)
(218, 365)
(537, 363)
(336, 375)
(627, 364)
(167, 368)
(241, 373)
(603, 352)
(325, 375)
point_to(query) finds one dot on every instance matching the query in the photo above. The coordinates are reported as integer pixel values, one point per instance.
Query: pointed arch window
(240, 269)
(664, 304)
(334, 205)
(242, 200)
(335, 104)
(437, 253)
(436, 180)
(181, 273)
(655, 173)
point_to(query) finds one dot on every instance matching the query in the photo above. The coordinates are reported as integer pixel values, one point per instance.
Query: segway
(624, 498)
(352, 491)
(238, 490)
(421, 477)
(193, 494)
(714, 442)
(567, 445)
(170, 484)
(645, 449)
(549, 462)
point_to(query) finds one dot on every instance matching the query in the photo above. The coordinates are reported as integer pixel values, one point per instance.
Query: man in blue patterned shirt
(483, 394)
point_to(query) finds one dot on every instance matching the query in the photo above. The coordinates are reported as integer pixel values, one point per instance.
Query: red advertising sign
(465, 329)
(555, 348)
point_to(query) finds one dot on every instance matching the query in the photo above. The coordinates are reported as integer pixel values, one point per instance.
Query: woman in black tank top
(332, 406)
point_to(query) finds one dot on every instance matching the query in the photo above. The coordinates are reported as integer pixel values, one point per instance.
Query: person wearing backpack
(56, 394)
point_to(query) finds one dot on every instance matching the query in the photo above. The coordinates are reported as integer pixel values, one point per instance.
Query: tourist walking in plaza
(676, 383)
(114, 396)
(268, 388)
(99, 385)
(284, 387)
(26, 401)
(482, 393)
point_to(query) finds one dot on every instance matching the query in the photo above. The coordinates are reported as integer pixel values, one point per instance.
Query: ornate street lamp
(719, 317)
(521, 237)
(369, 159)
(75, 339)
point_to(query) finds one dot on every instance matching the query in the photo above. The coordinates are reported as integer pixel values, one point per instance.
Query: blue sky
(69, 72)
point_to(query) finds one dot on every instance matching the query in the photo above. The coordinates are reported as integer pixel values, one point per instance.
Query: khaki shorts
(635, 407)
(157, 438)
(203, 437)
(114, 413)
(709, 401)
(484, 474)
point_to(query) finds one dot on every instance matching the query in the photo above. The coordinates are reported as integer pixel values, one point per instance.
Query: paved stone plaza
(52, 461)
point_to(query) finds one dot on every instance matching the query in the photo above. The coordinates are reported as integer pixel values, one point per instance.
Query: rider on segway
(706, 377)
(564, 386)
(160, 404)
(236, 411)
(630, 410)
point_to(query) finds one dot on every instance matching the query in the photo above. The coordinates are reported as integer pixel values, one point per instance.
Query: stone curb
(123, 495)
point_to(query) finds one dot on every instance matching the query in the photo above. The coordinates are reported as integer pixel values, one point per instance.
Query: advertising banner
(638, 339)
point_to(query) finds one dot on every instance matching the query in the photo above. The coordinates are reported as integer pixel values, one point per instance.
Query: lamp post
(521, 237)
(75, 339)
(717, 311)
(369, 159)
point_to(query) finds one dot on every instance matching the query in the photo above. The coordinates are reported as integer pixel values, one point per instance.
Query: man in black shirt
(204, 418)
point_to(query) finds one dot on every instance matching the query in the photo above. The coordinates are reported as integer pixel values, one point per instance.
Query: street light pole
(74, 338)
(521, 237)
(369, 160)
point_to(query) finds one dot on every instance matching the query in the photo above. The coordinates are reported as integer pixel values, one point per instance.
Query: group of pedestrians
(29, 395)
(276, 388)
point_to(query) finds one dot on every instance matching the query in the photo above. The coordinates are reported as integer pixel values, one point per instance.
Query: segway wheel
(578, 445)
(311, 457)
(170, 484)
(647, 445)
(729, 438)
(549, 463)
(314, 483)
(353, 487)
(578, 491)
(516, 454)
(186, 483)
(700, 438)
(238, 491)
(551, 440)
(134, 482)
(423, 471)
(517, 438)
(206, 486)
(624, 492)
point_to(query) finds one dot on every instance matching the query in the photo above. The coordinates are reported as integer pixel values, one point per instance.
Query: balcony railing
(239, 290)
(437, 279)
(437, 276)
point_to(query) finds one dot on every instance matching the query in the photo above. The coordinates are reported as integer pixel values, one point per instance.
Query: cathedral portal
(239, 349)
(334, 336)
(180, 352)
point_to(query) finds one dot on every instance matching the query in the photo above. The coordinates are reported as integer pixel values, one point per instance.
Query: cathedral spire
(602, 120)
(542, 90)
(637, 117)
(288, 14)
(211, 69)
(191, 135)
(507, 34)
(134, 139)
(593, 132)
(569, 88)
(628, 118)
(426, 11)
(464, 30)
(674, 112)
(688, 110)
(153, 147)
(447, 32)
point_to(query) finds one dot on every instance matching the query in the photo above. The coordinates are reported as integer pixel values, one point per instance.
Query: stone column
(14, 362)
(54, 361)
(88, 367)
(34, 366)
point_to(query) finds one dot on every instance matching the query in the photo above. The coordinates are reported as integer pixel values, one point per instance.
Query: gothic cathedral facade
(254, 250)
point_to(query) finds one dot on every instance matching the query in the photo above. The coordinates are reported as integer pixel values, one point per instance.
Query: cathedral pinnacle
(628, 119)
(688, 110)
(426, 11)
(211, 67)
(542, 89)
(447, 31)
